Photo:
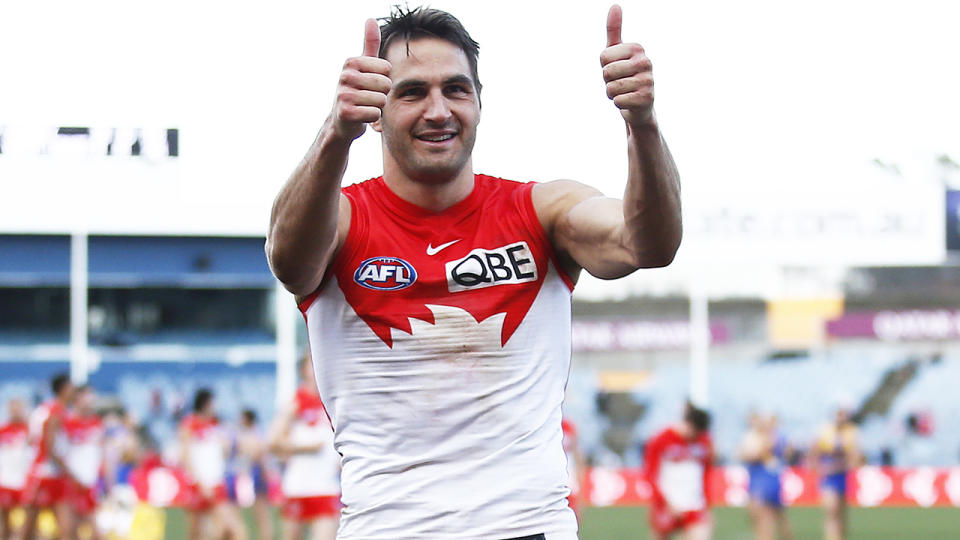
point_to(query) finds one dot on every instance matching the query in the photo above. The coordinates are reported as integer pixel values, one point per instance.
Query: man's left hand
(628, 74)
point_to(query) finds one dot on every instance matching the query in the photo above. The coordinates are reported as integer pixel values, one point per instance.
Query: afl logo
(385, 274)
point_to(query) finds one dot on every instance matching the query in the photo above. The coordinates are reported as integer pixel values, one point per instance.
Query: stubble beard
(425, 167)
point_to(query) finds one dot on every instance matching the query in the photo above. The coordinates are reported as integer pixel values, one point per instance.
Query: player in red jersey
(303, 437)
(203, 452)
(677, 464)
(85, 437)
(457, 434)
(50, 479)
(15, 457)
(576, 465)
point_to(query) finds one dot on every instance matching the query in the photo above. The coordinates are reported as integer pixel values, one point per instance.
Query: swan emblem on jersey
(385, 274)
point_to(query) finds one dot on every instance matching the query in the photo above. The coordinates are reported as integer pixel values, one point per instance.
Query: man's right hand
(363, 87)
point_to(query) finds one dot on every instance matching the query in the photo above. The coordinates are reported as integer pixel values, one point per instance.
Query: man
(249, 464)
(85, 438)
(303, 438)
(15, 457)
(437, 300)
(204, 448)
(834, 453)
(764, 450)
(677, 463)
(50, 480)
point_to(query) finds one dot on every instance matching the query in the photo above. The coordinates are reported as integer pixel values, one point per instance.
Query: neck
(435, 195)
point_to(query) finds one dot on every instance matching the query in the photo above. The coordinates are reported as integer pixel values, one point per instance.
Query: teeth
(438, 138)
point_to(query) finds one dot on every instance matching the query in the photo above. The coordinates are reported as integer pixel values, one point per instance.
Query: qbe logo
(385, 274)
(483, 268)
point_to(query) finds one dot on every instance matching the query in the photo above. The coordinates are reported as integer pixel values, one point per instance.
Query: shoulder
(362, 190)
(661, 437)
(553, 199)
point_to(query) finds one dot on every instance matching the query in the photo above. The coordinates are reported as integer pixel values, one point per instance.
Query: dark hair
(408, 24)
(201, 398)
(698, 418)
(59, 381)
(250, 416)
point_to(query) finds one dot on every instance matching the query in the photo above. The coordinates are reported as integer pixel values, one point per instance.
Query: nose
(438, 110)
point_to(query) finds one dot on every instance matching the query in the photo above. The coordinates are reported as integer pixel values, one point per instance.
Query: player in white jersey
(203, 455)
(302, 436)
(437, 300)
(50, 480)
(16, 454)
(85, 444)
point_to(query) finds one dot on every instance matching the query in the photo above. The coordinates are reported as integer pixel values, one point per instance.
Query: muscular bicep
(585, 227)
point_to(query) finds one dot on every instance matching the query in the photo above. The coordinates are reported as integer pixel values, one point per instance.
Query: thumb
(614, 23)
(371, 38)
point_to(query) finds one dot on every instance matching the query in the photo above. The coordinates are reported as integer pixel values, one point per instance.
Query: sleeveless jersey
(441, 342)
(836, 445)
(318, 473)
(85, 453)
(15, 455)
(206, 450)
(43, 466)
(677, 469)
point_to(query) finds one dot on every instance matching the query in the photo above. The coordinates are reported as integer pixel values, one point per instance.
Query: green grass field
(731, 524)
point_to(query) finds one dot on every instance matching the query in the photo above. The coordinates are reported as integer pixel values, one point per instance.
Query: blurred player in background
(203, 448)
(457, 434)
(303, 437)
(576, 464)
(50, 480)
(15, 457)
(764, 450)
(249, 464)
(835, 452)
(85, 444)
(677, 463)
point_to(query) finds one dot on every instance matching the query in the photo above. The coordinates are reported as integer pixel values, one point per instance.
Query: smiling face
(429, 124)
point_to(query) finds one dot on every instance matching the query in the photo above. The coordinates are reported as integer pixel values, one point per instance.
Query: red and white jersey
(85, 452)
(441, 342)
(677, 469)
(569, 449)
(207, 465)
(42, 466)
(16, 455)
(318, 473)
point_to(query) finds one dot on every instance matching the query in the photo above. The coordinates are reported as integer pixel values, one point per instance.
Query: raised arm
(608, 237)
(310, 217)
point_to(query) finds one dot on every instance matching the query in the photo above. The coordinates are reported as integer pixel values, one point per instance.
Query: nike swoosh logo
(434, 250)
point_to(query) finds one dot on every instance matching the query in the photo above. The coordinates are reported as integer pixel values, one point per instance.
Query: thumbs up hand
(628, 73)
(363, 87)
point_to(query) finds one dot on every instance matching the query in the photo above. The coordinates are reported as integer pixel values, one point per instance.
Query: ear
(377, 126)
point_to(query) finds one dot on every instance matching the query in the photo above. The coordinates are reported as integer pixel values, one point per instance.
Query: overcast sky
(754, 97)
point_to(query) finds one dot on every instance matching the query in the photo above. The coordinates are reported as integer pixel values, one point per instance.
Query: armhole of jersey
(357, 228)
(529, 214)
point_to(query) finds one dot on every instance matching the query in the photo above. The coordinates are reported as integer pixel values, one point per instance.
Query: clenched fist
(363, 87)
(627, 72)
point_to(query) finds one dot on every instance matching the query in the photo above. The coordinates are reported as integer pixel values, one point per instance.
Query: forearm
(303, 224)
(651, 204)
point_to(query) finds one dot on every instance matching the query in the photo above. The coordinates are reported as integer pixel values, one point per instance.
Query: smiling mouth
(436, 138)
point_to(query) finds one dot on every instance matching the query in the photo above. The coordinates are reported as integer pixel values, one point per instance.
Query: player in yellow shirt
(834, 453)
